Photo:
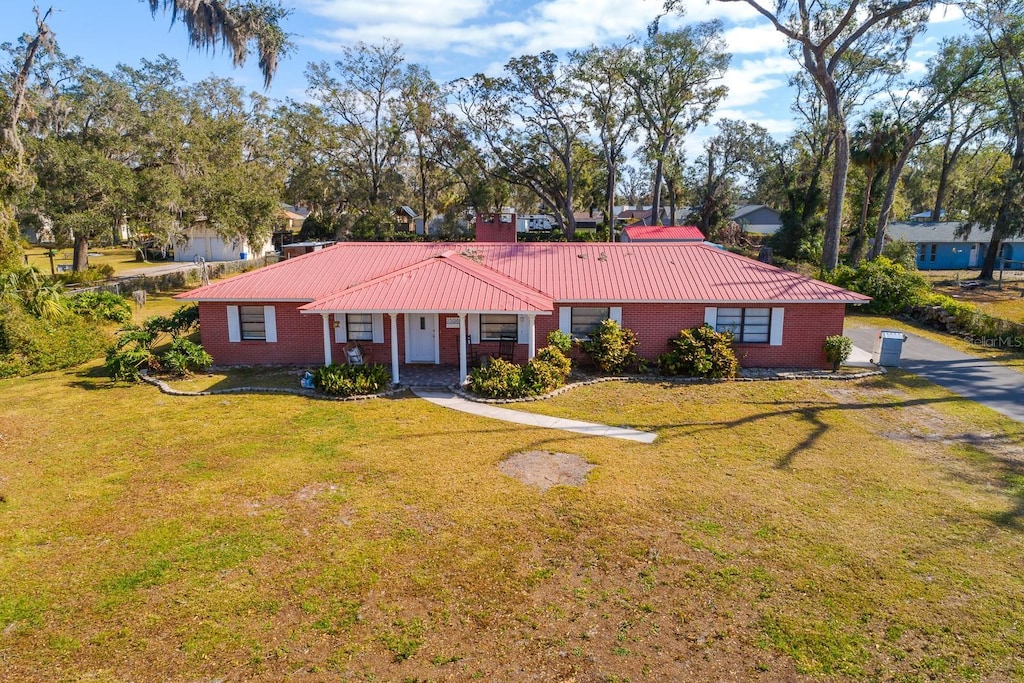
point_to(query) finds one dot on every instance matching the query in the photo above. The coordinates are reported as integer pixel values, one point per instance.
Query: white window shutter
(474, 329)
(377, 327)
(775, 336)
(615, 313)
(234, 325)
(340, 328)
(523, 329)
(711, 316)
(270, 323)
(565, 319)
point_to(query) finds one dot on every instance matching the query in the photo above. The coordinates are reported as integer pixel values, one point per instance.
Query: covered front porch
(427, 339)
(431, 313)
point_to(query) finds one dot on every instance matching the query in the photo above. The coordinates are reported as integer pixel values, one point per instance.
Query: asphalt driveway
(984, 381)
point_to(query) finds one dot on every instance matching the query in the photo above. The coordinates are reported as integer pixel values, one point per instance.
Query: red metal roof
(447, 281)
(569, 272)
(667, 233)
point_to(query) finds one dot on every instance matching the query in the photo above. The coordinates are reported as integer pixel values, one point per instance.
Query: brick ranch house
(436, 303)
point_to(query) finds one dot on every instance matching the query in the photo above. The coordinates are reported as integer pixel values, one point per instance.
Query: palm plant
(874, 147)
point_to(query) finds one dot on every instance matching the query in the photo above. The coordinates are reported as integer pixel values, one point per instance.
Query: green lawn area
(864, 530)
(120, 259)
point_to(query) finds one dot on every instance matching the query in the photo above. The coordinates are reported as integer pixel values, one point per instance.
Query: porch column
(327, 338)
(462, 348)
(532, 351)
(394, 347)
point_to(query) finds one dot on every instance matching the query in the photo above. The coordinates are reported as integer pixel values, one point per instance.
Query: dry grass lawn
(775, 531)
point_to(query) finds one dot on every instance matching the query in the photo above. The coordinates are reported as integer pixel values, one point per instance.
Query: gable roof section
(936, 232)
(748, 209)
(447, 281)
(668, 272)
(667, 233)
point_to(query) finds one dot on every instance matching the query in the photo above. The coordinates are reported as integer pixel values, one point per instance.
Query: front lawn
(775, 531)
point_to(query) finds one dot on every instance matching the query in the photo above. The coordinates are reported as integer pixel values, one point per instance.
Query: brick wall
(300, 336)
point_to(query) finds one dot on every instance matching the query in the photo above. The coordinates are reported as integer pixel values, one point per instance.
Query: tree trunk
(1004, 227)
(81, 259)
(840, 167)
(423, 192)
(940, 193)
(890, 192)
(988, 266)
(659, 170)
(610, 197)
(837, 195)
(857, 246)
(670, 185)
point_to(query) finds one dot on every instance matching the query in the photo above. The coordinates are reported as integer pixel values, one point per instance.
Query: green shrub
(610, 346)
(902, 252)
(547, 371)
(29, 344)
(185, 357)
(351, 380)
(498, 379)
(700, 352)
(561, 341)
(125, 364)
(133, 350)
(837, 349)
(101, 306)
(97, 273)
(891, 286)
(184, 320)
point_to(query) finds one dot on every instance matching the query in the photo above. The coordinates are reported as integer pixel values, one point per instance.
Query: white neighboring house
(204, 241)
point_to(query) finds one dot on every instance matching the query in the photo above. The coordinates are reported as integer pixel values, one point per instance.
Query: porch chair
(354, 355)
(506, 349)
(473, 355)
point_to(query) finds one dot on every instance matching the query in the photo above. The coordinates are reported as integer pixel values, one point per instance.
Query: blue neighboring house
(938, 248)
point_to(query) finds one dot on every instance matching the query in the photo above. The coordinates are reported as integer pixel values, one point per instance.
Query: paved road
(988, 383)
(161, 269)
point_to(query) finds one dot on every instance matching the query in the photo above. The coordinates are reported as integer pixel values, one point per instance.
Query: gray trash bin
(888, 347)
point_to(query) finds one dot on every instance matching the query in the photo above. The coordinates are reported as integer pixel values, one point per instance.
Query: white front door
(421, 337)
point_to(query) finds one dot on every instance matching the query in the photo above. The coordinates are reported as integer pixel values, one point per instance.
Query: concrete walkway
(447, 399)
(990, 384)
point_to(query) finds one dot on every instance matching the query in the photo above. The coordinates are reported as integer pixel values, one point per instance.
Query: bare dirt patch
(545, 469)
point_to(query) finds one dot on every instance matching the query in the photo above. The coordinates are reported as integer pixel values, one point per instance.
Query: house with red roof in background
(432, 303)
(662, 233)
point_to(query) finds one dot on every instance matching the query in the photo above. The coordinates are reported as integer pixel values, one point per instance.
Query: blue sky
(452, 38)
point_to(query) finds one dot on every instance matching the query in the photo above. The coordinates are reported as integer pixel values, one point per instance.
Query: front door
(422, 331)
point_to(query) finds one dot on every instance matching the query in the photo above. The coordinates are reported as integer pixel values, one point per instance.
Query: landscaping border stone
(762, 375)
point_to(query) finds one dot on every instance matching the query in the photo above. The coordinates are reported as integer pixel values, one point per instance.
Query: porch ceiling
(446, 282)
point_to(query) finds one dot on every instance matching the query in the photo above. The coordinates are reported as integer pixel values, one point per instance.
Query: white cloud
(755, 39)
(751, 80)
(942, 13)
(913, 67)
(370, 12)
